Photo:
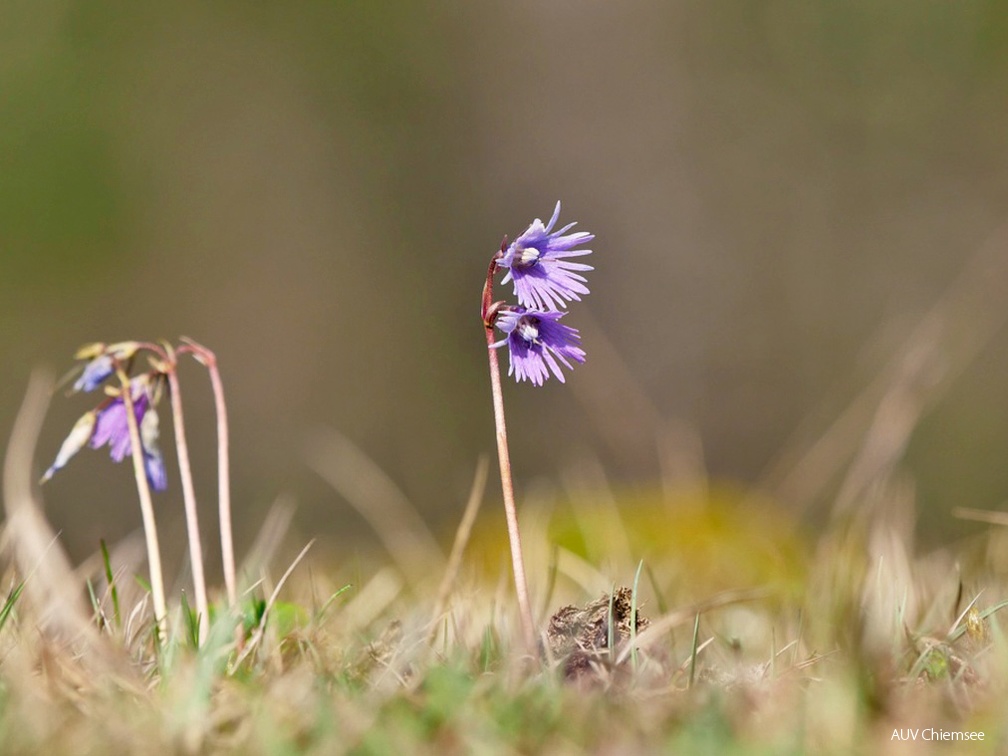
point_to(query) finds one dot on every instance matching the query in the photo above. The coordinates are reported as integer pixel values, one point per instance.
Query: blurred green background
(778, 189)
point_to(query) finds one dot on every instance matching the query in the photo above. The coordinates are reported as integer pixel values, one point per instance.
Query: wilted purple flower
(153, 461)
(95, 373)
(536, 341)
(537, 264)
(79, 435)
(107, 425)
(101, 362)
(112, 427)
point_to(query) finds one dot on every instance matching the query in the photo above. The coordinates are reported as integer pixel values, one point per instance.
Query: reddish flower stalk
(189, 499)
(488, 314)
(209, 360)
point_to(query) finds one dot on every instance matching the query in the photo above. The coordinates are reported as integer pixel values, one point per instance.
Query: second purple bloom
(112, 428)
(537, 343)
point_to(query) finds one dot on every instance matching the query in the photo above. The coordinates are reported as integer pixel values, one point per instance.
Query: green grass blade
(8, 606)
(99, 619)
(192, 623)
(328, 602)
(693, 652)
(113, 591)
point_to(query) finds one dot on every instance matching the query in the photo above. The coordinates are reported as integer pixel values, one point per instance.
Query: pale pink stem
(146, 508)
(224, 484)
(209, 360)
(189, 497)
(510, 509)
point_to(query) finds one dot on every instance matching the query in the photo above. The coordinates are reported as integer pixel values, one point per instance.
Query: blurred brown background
(779, 191)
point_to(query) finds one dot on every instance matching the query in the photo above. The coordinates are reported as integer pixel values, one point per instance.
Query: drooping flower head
(101, 362)
(537, 264)
(107, 424)
(537, 343)
(112, 428)
(95, 372)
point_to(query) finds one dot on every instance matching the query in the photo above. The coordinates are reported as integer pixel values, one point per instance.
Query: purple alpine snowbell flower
(95, 373)
(536, 341)
(111, 428)
(101, 362)
(536, 261)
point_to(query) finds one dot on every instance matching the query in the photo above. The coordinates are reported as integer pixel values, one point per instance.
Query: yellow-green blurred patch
(703, 541)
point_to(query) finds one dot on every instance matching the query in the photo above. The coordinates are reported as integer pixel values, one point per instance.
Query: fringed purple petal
(112, 428)
(538, 344)
(537, 267)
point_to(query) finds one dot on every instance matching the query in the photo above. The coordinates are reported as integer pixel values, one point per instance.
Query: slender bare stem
(209, 360)
(510, 510)
(224, 484)
(146, 507)
(488, 312)
(189, 497)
